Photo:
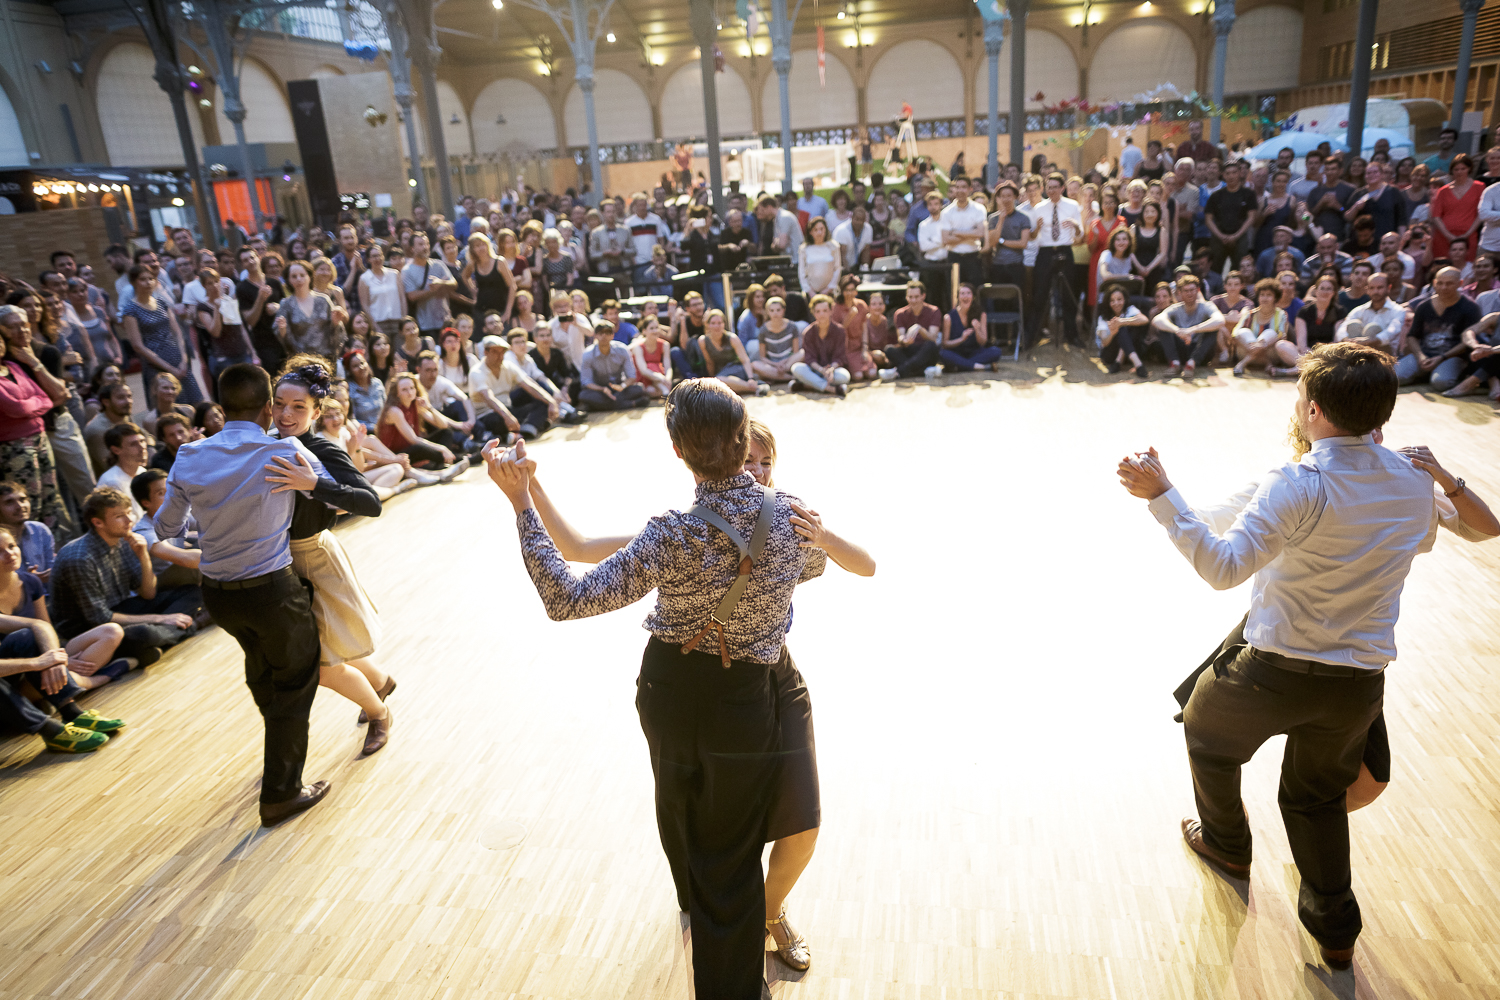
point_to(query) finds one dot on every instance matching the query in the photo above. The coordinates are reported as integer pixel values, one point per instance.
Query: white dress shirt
(930, 238)
(1390, 318)
(1328, 542)
(1408, 263)
(1489, 214)
(970, 218)
(853, 243)
(1063, 210)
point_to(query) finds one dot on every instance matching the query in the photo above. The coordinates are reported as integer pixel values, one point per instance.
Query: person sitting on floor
(1191, 327)
(127, 450)
(38, 549)
(407, 416)
(106, 576)
(172, 432)
(825, 351)
(965, 346)
(918, 329)
(451, 401)
(609, 378)
(173, 561)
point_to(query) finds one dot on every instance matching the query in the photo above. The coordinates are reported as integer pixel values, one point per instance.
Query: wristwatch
(1457, 489)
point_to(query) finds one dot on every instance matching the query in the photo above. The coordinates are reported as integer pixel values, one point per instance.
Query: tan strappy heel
(795, 952)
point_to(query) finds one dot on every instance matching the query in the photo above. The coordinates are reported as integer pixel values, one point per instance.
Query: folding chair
(1002, 306)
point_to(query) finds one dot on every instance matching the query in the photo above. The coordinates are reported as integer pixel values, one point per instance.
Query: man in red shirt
(1197, 148)
(918, 328)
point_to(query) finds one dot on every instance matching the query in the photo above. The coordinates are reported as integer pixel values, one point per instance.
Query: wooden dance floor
(1002, 779)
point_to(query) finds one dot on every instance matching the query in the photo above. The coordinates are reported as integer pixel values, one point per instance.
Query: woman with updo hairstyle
(348, 623)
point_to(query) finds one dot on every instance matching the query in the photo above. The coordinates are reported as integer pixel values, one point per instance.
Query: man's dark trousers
(273, 623)
(714, 738)
(1054, 266)
(1199, 350)
(176, 601)
(914, 360)
(1239, 704)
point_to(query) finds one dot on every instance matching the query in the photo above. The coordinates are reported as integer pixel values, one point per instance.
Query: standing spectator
(655, 277)
(1197, 149)
(1009, 232)
(811, 204)
(1229, 214)
(963, 231)
(1441, 161)
(1130, 158)
(1385, 205)
(855, 238)
(28, 393)
(106, 577)
(646, 229)
(308, 321)
(965, 345)
(559, 269)
(824, 366)
(259, 297)
(609, 375)
(818, 261)
(381, 293)
(427, 283)
(1455, 207)
(611, 250)
(154, 334)
(103, 348)
(778, 229)
(1152, 167)
(1279, 209)
(1436, 351)
(220, 326)
(918, 330)
(1059, 225)
(1189, 328)
(1150, 239)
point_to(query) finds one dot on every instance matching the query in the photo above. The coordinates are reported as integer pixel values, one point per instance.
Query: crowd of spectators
(535, 309)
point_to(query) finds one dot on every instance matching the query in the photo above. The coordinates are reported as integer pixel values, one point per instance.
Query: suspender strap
(749, 555)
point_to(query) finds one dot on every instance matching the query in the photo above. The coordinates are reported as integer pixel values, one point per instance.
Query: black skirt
(1377, 754)
(795, 802)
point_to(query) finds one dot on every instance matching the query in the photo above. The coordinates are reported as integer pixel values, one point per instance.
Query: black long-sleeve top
(348, 490)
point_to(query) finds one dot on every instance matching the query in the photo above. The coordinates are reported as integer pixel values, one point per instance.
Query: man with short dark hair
(1438, 162)
(1229, 214)
(1328, 540)
(625, 331)
(919, 329)
(106, 576)
(127, 457)
(248, 584)
(1191, 328)
(173, 561)
(608, 375)
(115, 405)
(1009, 232)
(1059, 225)
(428, 283)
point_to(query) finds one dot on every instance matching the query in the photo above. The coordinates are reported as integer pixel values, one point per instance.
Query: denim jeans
(1442, 378)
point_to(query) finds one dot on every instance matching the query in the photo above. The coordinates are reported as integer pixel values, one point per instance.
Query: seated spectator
(38, 551)
(127, 450)
(724, 356)
(1281, 242)
(625, 331)
(1118, 326)
(825, 346)
(1362, 241)
(366, 392)
(878, 335)
(1260, 333)
(389, 473)
(172, 432)
(608, 374)
(752, 318)
(653, 359)
(450, 401)
(1232, 304)
(490, 385)
(1289, 301)
(455, 362)
(535, 399)
(1483, 368)
(1378, 322)
(778, 343)
(1210, 281)
(208, 418)
(1118, 259)
(1317, 321)
(850, 312)
(655, 277)
(1390, 249)
(965, 345)
(106, 577)
(796, 302)
(115, 405)
(406, 418)
(1190, 328)
(1356, 294)
(165, 390)
(1485, 270)
(1458, 257)
(1161, 300)
(918, 329)
(1436, 352)
(1401, 292)
(571, 330)
(173, 560)
(1328, 255)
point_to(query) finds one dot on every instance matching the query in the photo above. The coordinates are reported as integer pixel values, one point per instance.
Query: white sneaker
(933, 371)
(887, 374)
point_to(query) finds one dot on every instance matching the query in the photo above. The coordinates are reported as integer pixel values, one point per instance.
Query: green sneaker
(92, 720)
(75, 740)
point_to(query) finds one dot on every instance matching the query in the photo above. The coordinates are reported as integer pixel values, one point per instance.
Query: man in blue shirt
(813, 204)
(244, 516)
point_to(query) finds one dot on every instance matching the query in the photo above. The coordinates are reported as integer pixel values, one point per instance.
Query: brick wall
(27, 240)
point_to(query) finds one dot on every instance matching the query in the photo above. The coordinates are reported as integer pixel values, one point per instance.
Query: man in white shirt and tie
(934, 250)
(1328, 542)
(1059, 225)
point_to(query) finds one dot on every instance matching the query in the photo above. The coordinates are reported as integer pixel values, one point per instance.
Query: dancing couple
(274, 577)
(1327, 542)
(725, 712)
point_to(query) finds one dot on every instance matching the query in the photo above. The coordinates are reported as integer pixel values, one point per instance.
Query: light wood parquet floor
(1002, 779)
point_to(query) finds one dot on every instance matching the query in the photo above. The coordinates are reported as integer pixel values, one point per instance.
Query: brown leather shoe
(1192, 832)
(379, 733)
(382, 694)
(1338, 959)
(311, 795)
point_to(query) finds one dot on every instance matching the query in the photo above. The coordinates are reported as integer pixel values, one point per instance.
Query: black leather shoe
(1192, 832)
(311, 795)
(1338, 959)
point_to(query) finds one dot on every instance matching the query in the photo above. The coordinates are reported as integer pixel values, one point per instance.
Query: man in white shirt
(964, 232)
(813, 204)
(1390, 246)
(1377, 323)
(449, 400)
(934, 249)
(193, 292)
(127, 447)
(855, 236)
(1059, 225)
(646, 229)
(1489, 204)
(489, 390)
(1328, 542)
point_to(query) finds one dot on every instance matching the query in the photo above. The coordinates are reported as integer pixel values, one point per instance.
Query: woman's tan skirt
(348, 622)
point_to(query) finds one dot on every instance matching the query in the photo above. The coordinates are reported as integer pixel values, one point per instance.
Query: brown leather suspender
(749, 554)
